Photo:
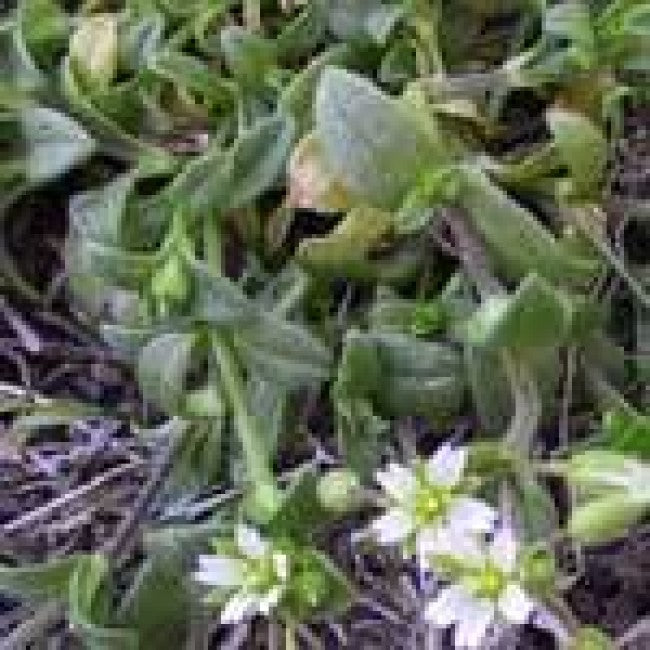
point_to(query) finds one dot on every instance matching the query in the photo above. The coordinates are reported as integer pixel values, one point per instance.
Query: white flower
(425, 498)
(255, 578)
(487, 591)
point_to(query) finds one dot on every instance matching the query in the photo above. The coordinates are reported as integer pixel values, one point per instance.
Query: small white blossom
(486, 591)
(255, 578)
(426, 498)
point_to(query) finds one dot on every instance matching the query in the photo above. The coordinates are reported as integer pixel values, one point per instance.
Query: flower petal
(450, 605)
(472, 628)
(447, 541)
(392, 527)
(219, 571)
(515, 605)
(239, 607)
(270, 600)
(281, 564)
(504, 548)
(473, 515)
(447, 465)
(250, 542)
(397, 481)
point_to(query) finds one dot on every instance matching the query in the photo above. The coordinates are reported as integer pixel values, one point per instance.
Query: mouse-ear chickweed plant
(428, 497)
(485, 586)
(253, 578)
(370, 312)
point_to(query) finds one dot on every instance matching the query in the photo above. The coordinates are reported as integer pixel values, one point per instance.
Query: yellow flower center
(431, 503)
(489, 582)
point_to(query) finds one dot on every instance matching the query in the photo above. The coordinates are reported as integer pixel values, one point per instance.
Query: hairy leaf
(519, 242)
(536, 315)
(40, 581)
(221, 180)
(582, 148)
(163, 366)
(55, 143)
(378, 145)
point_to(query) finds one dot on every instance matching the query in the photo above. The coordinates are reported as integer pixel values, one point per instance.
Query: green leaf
(297, 97)
(362, 434)
(537, 509)
(419, 377)
(535, 316)
(265, 497)
(191, 74)
(401, 374)
(55, 143)
(97, 214)
(317, 585)
(491, 391)
(114, 137)
(159, 609)
(348, 250)
(282, 351)
(591, 638)
(88, 607)
(636, 21)
(249, 56)
(186, 539)
(627, 433)
(222, 180)
(219, 301)
(40, 581)
(87, 259)
(519, 242)
(44, 27)
(163, 366)
(376, 144)
(301, 36)
(582, 148)
(301, 514)
(571, 21)
(353, 19)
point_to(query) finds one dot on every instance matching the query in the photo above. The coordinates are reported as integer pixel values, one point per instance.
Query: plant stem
(252, 15)
(212, 252)
(290, 641)
(246, 425)
(426, 21)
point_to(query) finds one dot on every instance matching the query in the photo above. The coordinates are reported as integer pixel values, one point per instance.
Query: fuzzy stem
(252, 15)
(290, 640)
(246, 425)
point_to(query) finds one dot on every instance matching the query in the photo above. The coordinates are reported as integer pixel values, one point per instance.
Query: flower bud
(339, 490)
(94, 49)
(205, 402)
(606, 517)
(264, 502)
(170, 284)
(538, 572)
(591, 638)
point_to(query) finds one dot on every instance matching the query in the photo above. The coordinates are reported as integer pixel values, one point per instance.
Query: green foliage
(317, 206)
(40, 581)
(55, 143)
(536, 315)
(376, 144)
(582, 148)
(627, 433)
(519, 242)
